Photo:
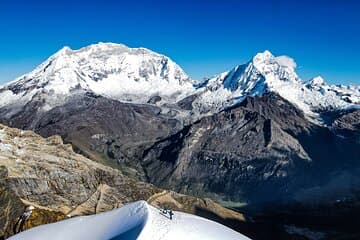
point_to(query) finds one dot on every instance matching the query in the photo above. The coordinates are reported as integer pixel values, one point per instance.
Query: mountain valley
(256, 136)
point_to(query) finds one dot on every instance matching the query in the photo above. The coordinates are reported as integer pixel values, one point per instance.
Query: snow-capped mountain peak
(137, 74)
(317, 81)
(263, 56)
(111, 70)
(275, 68)
(269, 73)
(64, 51)
(263, 73)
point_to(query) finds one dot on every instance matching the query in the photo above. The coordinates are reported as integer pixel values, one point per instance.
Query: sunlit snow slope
(134, 221)
(111, 70)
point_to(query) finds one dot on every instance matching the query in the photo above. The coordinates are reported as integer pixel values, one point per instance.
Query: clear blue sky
(204, 37)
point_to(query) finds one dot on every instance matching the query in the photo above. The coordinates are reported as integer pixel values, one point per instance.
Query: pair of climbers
(167, 210)
(20, 224)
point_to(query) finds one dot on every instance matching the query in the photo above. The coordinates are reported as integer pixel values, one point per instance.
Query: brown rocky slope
(46, 173)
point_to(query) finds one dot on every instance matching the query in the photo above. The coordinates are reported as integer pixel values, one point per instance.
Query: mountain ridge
(140, 75)
(265, 73)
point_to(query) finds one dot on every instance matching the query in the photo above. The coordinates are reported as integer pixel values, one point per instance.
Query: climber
(171, 214)
(22, 219)
(164, 210)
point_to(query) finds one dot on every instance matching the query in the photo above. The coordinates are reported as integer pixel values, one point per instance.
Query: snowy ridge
(136, 74)
(133, 221)
(267, 73)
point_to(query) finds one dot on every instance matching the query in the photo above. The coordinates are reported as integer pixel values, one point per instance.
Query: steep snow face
(263, 73)
(111, 70)
(134, 221)
(267, 73)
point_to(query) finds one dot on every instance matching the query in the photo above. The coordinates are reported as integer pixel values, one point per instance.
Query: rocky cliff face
(49, 173)
(252, 152)
(105, 130)
(263, 150)
(236, 155)
(46, 173)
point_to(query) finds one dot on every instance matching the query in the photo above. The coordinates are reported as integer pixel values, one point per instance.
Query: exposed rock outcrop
(239, 154)
(46, 173)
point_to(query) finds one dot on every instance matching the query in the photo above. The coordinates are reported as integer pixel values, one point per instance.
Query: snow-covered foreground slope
(134, 221)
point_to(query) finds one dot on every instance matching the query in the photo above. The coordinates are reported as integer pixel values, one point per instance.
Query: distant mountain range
(138, 75)
(256, 134)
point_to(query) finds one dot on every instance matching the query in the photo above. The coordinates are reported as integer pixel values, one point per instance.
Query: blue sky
(204, 37)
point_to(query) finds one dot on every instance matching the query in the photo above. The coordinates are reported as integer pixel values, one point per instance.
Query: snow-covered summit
(112, 70)
(316, 82)
(349, 95)
(137, 74)
(134, 221)
(267, 73)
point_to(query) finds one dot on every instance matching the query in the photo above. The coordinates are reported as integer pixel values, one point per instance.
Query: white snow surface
(136, 74)
(267, 73)
(133, 221)
(111, 70)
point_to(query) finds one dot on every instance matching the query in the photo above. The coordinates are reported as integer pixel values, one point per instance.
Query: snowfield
(134, 221)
